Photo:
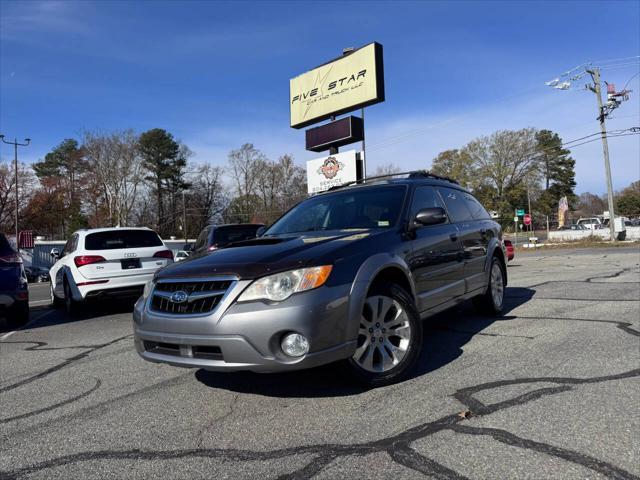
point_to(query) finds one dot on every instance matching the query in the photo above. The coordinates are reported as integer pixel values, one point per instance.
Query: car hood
(257, 257)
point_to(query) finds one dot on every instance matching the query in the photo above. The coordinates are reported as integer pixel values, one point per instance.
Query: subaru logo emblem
(179, 297)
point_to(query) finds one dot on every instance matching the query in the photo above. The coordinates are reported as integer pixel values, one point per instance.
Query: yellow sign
(343, 85)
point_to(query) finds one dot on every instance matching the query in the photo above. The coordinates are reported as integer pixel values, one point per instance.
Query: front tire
(492, 301)
(389, 338)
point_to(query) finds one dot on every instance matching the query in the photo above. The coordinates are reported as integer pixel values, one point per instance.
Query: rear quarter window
(117, 239)
(456, 205)
(475, 207)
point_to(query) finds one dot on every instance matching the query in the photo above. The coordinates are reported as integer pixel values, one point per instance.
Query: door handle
(453, 237)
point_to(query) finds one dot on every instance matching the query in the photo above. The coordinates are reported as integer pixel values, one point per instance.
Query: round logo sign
(527, 219)
(179, 297)
(330, 168)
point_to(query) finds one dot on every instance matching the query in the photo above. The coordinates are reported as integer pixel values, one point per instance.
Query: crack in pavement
(398, 446)
(327, 453)
(61, 365)
(624, 326)
(218, 419)
(53, 407)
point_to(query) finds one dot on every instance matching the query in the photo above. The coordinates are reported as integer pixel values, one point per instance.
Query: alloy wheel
(497, 285)
(384, 336)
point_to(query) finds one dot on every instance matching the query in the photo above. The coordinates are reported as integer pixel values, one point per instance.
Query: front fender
(363, 280)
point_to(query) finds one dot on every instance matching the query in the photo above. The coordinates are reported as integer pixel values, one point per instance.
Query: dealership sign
(340, 86)
(326, 172)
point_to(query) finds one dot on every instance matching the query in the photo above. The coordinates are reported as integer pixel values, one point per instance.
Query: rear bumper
(118, 287)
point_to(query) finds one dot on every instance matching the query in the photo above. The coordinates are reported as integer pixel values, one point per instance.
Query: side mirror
(260, 231)
(430, 216)
(55, 253)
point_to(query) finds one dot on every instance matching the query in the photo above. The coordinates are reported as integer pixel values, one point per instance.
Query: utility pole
(184, 218)
(614, 100)
(15, 160)
(595, 75)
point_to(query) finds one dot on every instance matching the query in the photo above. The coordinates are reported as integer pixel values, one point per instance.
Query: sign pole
(515, 229)
(364, 155)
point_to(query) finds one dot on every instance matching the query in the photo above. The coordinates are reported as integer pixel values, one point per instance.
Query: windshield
(357, 208)
(7, 253)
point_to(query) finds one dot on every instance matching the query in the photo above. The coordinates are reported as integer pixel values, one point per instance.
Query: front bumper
(247, 336)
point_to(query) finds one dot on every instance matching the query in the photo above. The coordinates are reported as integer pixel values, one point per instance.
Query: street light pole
(16, 144)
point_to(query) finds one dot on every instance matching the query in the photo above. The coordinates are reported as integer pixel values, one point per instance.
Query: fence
(633, 233)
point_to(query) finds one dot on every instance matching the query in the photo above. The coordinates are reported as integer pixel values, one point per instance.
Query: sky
(216, 74)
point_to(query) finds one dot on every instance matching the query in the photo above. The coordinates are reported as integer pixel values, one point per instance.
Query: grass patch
(592, 242)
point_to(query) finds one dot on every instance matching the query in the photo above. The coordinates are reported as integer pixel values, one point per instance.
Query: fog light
(295, 345)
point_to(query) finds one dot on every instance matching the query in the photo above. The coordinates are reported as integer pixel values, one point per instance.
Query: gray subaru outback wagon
(344, 276)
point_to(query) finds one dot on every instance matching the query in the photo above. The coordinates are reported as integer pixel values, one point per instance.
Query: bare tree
(207, 198)
(505, 159)
(117, 166)
(26, 186)
(245, 166)
(387, 169)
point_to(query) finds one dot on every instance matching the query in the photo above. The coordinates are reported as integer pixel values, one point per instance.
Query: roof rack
(411, 174)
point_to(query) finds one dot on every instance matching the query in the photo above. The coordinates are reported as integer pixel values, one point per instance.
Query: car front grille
(202, 296)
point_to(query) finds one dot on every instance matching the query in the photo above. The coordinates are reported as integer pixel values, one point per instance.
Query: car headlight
(281, 286)
(147, 288)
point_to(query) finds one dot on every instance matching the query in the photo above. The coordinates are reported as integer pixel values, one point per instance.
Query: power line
(608, 136)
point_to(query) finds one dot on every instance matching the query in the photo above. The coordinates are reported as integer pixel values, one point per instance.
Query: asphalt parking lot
(549, 390)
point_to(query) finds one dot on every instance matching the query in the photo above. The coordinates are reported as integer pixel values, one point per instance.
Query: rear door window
(117, 239)
(456, 205)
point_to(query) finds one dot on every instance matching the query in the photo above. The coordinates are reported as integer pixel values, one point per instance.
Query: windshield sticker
(383, 223)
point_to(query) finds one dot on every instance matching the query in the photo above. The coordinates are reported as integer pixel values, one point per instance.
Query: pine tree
(161, 156)
(558, 171)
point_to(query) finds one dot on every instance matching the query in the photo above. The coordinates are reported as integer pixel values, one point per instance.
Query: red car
(511, 252)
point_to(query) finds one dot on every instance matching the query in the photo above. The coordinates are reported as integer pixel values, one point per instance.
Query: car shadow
(444, 336)
(46, 316)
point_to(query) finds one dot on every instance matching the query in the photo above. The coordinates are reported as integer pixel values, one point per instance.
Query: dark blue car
(14, 293)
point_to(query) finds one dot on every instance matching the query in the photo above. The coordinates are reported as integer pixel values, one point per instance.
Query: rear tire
(492, 301)
(18, 315)
(71, 306)
(55, 301)
(389, 339)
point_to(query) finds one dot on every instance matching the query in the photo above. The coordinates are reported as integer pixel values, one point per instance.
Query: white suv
(106, 262)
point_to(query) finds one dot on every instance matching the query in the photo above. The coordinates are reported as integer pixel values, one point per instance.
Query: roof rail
(411, 174)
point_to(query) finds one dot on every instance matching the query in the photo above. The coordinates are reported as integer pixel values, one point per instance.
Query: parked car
(218, 236)
(181, 255)
(592, 223)
(574, 226)
(105, 262)
(36, 274)
(347, 275)
(509, 249)
(14, 290)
